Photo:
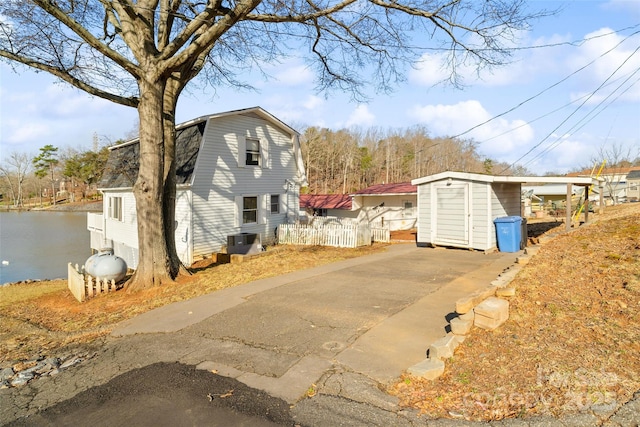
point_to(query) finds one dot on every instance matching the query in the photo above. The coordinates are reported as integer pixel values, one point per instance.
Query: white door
(452, 215)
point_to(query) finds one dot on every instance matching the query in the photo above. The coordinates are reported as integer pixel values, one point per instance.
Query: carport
(457, 209)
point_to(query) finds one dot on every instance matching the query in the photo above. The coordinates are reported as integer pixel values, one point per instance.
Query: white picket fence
(330, 233)
(83, 286)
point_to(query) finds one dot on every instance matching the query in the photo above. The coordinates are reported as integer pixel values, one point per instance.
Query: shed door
(452, 215)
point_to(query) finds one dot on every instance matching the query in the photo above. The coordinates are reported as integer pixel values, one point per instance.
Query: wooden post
(568, 206)
(601, 208)
(586, 204)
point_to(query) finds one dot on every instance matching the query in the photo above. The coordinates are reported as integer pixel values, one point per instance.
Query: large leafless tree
(143, 53)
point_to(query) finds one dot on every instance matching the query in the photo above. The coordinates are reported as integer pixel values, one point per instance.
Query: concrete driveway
(374, 316)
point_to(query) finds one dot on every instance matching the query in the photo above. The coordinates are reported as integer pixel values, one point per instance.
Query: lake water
(38, 245)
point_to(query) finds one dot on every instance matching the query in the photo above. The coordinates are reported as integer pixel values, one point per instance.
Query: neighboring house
(239, 175)
(615, 183)
(391, 204)
(326, 205)
(458, 209)
(633, 185)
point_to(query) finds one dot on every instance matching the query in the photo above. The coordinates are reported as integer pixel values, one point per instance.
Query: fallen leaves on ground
(571, 342)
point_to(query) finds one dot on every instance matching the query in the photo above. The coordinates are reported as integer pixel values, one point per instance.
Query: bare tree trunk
(154, 262)
(172, 90)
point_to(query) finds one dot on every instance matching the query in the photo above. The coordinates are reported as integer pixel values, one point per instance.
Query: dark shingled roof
(122, 167)
(382, 189)
(325, 201)
(634, 174)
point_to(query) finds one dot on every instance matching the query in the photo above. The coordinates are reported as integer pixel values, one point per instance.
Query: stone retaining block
(491, 313)
(444, 347)
(461, 326)
(429, 369)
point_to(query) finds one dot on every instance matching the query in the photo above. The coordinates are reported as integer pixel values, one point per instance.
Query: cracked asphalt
(310, 348)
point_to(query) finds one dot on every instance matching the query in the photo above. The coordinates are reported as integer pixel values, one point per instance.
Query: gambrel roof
(123, 164)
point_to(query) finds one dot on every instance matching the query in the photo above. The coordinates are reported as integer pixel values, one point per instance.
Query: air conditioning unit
(244, 244)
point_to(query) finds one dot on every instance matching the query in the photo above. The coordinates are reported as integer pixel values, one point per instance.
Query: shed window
(249, 210)
(252, 152)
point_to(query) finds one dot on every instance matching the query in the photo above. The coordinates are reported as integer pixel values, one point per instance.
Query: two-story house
(239, 174)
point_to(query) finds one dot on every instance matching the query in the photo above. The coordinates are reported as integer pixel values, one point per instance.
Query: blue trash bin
(509, 233)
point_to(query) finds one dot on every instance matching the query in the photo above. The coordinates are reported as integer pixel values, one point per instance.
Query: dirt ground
(571, 342)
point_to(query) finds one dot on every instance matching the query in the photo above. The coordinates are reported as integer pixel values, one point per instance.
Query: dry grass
(571, 342)
(42, 318)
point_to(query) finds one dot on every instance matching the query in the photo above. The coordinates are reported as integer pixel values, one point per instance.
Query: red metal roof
(382, 189)
(325, 201)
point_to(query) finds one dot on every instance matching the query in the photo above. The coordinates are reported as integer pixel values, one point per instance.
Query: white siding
(125, 231)
(505, 200)
(220, 178)
(482, 230)
(122, 236)
(424, 214)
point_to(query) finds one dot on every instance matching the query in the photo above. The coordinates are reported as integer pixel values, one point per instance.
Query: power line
(546, 89)
(594, 113)
(576, 110)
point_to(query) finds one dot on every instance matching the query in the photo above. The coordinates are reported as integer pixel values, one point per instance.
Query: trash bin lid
(508, 219)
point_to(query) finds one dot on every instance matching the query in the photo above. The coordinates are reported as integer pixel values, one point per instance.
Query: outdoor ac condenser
(244, 244)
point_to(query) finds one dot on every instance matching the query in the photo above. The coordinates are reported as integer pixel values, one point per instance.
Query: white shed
(458, 209)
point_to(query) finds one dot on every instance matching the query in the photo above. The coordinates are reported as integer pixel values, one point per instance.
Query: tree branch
(83, 33)
(64, 75)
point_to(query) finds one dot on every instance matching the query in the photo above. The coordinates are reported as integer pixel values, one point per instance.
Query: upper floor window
(115, 208)
(252, 152)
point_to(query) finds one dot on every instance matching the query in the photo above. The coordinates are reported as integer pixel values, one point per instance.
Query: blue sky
(563, 128)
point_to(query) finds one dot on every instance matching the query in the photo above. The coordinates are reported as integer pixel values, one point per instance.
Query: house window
(249, 210)
(115, 208)
(275, 203)
(407, 210)
(253, 152)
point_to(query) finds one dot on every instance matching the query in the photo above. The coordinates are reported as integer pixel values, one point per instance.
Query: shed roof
(465, 176)
(325, 201)
(388, 189)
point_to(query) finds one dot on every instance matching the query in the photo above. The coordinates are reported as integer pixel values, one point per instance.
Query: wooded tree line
(345, 161)
(52, 174)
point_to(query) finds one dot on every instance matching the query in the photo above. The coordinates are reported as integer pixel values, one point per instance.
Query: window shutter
(283, 204)
(264, 153)
(262, 208)
(238, 211)
(242, 151)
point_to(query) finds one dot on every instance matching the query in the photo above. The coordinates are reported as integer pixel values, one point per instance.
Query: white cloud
(289, 72)
(313, 102)
(615, 65)
(497, 138)
(361, 116)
